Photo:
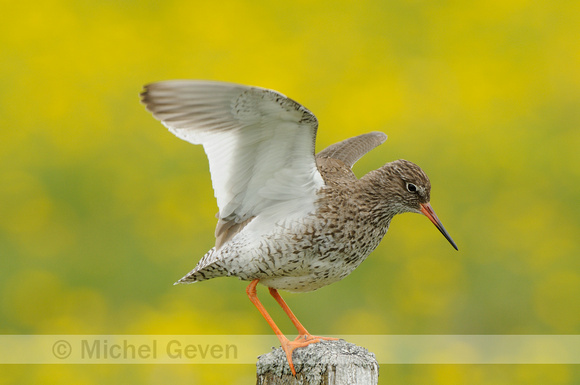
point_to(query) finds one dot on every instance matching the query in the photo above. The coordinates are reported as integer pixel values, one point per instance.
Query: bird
(288, 219)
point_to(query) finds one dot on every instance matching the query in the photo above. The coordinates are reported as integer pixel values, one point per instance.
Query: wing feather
(260, 146)
(349, 151)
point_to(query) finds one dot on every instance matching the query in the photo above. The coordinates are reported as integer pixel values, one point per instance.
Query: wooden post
(322, 363)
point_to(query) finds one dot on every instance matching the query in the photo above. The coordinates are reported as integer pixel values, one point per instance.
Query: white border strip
(244, 349)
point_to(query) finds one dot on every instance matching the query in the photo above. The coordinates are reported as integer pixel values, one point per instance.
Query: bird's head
(406, 188)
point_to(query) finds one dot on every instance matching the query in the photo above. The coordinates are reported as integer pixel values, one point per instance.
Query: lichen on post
(323, 363)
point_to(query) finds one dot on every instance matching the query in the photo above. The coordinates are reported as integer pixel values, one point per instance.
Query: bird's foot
(299, 342)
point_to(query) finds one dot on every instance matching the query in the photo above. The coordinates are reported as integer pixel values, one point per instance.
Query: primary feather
(260, 146)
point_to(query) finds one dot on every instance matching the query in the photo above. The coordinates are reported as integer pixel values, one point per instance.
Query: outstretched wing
(350, 150)
(260, 145)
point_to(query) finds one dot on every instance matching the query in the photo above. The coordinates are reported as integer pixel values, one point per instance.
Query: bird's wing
(350, 150)
(260, 145)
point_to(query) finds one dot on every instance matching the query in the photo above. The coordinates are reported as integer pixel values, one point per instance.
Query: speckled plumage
(322, 234)
(287, 219)
(319, 249)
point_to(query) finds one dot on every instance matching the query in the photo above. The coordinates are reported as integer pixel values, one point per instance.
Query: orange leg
(302, 332)
(287, 345)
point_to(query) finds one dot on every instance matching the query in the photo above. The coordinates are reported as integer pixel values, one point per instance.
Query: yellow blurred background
(101, 209)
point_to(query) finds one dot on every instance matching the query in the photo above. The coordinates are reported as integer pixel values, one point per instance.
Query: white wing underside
(259, 143)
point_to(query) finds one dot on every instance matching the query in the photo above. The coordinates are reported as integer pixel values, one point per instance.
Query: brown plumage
(287, 219)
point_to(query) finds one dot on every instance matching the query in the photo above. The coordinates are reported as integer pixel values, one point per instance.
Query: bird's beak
(429, 213)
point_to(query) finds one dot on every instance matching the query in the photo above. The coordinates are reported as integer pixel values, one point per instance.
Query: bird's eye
(411, 187)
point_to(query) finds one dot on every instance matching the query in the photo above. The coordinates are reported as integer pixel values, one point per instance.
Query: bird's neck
(377, 189)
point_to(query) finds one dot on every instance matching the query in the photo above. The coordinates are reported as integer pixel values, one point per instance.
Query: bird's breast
(322, 252)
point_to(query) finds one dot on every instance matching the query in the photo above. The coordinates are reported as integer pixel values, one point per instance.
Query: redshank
(288, 219)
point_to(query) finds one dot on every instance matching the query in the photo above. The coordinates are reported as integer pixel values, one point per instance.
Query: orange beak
(429, 213)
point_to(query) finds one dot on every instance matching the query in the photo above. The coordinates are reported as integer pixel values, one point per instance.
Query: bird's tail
(207, 268)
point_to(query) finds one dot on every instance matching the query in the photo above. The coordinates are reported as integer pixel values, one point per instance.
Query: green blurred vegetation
(101, 209)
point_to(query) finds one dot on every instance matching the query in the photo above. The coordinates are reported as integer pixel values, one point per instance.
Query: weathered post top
(322, 363)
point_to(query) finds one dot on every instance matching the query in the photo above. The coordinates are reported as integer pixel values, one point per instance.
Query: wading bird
(288, 219)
